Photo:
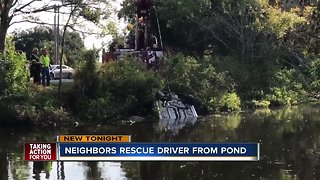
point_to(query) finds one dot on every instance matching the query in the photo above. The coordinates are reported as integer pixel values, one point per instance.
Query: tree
(179, 22)
(90, 10)
(13, 72)
(244, 36)
(26, 40)
(72, 12)
(195, 27)
(40, 36)
(305, 37)
(77, 10)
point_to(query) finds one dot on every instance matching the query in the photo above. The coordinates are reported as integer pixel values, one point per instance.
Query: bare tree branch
(62, 46)
(25, 5)
(42, 9)
(71, 26)
(84, 32)
(29, 21)
(14, 3)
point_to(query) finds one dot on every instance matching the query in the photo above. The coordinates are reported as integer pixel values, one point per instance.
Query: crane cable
(161, 44)
(159, 30)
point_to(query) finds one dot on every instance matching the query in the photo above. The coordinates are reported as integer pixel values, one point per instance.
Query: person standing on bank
(35, 66)
(45, 60)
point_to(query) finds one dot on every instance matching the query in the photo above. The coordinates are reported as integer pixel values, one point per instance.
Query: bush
(230, 102)
(186, 75)
(315, 74)
(131, 86)
(13, 70)
(121, 88)
(280, 21)
(225, 102)
(37, 105)
(287, 88)
(261, 103)
(86, 77)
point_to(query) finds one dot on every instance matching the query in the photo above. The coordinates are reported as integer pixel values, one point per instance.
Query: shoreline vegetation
(112, 92)
(230, 57)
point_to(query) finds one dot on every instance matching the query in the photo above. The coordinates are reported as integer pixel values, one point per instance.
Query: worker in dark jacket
(35, 68)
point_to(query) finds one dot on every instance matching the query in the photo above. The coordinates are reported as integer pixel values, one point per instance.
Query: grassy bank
(37, 105)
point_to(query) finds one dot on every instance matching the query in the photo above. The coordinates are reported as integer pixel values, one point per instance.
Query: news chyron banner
(41, 151)
(120, 148)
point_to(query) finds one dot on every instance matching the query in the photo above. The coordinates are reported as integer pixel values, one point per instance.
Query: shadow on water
(289, 138)
(41, 167)
(93, 170)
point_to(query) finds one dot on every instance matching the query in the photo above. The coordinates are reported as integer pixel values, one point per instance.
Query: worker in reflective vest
(45, 60)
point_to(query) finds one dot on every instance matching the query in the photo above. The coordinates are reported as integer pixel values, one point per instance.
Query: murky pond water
(290, 148)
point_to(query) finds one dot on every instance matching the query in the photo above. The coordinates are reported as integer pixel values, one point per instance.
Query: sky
(90, 41)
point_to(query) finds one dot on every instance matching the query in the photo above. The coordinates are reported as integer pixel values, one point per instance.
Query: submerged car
(67, 72)
(172, 108)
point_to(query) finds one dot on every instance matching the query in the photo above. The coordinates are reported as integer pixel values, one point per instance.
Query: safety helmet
(35, 49)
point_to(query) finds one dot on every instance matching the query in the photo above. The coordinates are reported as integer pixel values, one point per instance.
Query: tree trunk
(73, 9)
(4, 25)
(3, 33)
(5, 20)
(3, 165)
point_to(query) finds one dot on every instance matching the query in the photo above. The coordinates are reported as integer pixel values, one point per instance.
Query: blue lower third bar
(158, 151)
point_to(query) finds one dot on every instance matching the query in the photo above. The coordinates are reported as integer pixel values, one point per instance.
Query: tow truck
(172, 110)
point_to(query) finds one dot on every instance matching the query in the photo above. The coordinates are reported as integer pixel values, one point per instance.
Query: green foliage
(287, 88)
(86, 78)
(186, 75)
(186, 16)
(261, 103)
(84, 88)
(301, 42)
(38, 37)
(180, 21)
(37, 105)
(117, 89)
(89, 10)
(13, 70)
(251, 78)
(180, 72)
(131, 86)
(230, 102)
(42, 37)
(315, 69)
(74, 48)
(246, 49)
(279, 21)
(248, 39)
(315, 75)
(90, 14)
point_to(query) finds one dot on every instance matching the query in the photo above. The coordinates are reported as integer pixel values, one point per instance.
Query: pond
(289, 137)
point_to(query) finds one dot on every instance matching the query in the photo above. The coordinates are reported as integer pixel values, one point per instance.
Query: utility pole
(56, 30)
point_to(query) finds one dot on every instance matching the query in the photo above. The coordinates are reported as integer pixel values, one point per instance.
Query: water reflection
(175, 125)
(290, 142)
(290, 148)
(93, 170)
(60, 170)
(41, 167)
